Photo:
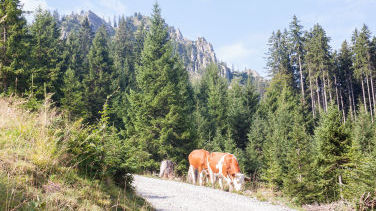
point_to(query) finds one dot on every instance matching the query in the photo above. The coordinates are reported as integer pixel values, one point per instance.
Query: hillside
(36, 169)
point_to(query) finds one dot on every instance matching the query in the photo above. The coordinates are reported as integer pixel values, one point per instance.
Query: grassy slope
(34, 174)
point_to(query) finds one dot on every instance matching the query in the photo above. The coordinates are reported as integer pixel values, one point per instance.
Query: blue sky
(238, 29)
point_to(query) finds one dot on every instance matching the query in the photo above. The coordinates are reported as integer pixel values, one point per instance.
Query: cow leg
(193, 173)
(201, 177)
(220, 182)
(212, 179)
(207, 178)
(190, 174)
(228, 180)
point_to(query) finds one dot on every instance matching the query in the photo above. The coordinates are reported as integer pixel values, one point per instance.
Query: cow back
(197, 158)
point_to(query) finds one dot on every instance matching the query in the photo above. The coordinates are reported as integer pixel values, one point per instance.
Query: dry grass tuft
(34, 172)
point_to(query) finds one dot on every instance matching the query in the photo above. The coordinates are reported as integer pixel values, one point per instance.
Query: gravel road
(172, 195)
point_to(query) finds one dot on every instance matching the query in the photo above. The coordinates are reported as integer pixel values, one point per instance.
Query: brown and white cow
(225, 166)
(198, 162)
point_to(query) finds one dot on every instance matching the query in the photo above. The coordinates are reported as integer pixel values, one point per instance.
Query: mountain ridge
(196, 55)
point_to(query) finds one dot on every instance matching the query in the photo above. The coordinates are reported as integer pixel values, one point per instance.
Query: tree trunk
(351, 108)
(312, 98)
(301, 79)
(373, 93)
(335, 84)
(4, 75)
(329, 88)
(325, 97)
(364, 96)
(343, 109)
(318, 94)
(353, 99)
(167, 169)
(369, 98)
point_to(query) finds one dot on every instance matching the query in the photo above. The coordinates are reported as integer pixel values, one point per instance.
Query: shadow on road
(148, 196)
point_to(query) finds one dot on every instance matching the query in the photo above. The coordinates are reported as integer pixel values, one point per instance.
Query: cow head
(238, 181)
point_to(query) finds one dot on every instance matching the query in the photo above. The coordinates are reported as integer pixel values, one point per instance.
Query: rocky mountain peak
(196, 55)
(74, 20)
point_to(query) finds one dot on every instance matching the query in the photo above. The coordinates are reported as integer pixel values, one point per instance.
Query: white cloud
(115, 5)
(32, 5)
(235, 51)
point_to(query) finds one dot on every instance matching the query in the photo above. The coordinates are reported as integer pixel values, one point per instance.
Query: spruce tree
(318, 64)
(299, 182)
(362, 66)
(359, 174)
(332, 144)
(46, 51)
(346, 78)
(296, 41)
(13, 47)
(79, 44)
(73, 100)
(76, 52)
(279, 115)
(99, 82)
(124, 72)
(160, 106)
(278, 55)
(242, 105)
(259, 131)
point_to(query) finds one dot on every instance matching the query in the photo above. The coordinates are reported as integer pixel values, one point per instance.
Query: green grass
(35, 172)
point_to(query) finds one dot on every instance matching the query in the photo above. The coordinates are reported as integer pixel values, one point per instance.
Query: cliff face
(73, 21)
(196, 55)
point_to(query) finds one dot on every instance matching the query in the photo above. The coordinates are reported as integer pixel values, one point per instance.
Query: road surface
(171, 195)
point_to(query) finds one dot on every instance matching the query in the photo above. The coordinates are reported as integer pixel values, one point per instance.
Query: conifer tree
(160, 124)
(346, 77)
(123, 56)
(359, 175)
(212, 110)
(297, 53)
(332, 142)
(217, 104)
(13, 47)
(278, 137)
(79, 44)
(46, 51)
(362, 65)
(299, 182)
(318, 65)
(73, 100)
(76, 52)
(242, 105)
(259, 132)
(124, 71)
(99, 81)
(278, 55)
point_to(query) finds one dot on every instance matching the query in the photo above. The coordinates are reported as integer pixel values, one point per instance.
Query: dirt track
(172, 195)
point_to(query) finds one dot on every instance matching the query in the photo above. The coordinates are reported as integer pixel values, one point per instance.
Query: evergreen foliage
(160, 125)
(99, 83)
(14, 47)
(332, 145)
(46, 60)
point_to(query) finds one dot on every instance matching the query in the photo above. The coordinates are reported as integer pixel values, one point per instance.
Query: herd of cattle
(217, 165)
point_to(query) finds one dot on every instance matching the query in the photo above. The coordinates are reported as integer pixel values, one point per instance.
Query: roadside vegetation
(40, 171)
